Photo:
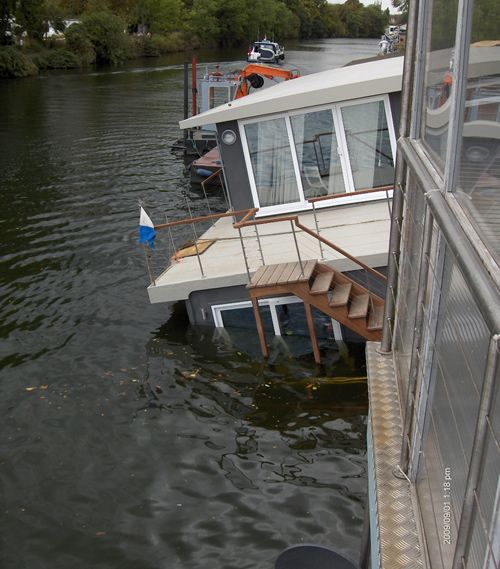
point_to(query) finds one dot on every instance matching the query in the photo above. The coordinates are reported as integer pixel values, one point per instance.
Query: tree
(106, 33)
(7, 12)
(30, 15)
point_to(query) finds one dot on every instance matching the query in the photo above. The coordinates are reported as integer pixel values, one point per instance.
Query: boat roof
(340, 84)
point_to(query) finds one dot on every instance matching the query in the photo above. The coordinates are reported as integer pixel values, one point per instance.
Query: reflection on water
(128, 437)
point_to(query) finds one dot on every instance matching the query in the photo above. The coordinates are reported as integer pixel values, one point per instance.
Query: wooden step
(282, 273)
(340, 295)
(376, 319)
(359, 306)
(322, 283)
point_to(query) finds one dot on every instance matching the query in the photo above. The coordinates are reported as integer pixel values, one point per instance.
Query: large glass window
(479, 162)
(272, 164)
(318, 153)
(369, 144)
(321, 152)
(439, 76)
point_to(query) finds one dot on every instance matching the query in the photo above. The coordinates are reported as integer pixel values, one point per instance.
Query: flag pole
(151, 279)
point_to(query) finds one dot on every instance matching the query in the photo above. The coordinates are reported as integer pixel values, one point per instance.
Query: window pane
(272, 164)
(244, 318)
(218, 96)
(369, 145)
(316, 145)
(439, 76)
(479, 181)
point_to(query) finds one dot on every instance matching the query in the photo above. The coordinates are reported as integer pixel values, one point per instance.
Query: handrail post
(171, 236)
(297, 247)
(244, 253)
(151, 278)
(322, 256)
(196, 242)
(259, 244)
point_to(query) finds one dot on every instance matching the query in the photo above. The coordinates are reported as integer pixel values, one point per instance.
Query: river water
(128, 437)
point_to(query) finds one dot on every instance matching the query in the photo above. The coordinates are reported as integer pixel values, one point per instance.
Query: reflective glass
(369, 145)
(317, 153)
(479, 175)
(272, 165)
(439, 82)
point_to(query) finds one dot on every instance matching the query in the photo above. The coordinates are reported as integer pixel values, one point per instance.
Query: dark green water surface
(129, 439)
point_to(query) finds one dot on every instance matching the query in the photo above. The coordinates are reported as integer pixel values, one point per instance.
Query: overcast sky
(385, 4)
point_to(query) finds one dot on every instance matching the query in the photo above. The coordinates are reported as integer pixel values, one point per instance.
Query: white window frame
(217, 310)
(302, 204)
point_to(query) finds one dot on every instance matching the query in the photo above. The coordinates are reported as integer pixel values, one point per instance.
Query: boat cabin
(308, 168)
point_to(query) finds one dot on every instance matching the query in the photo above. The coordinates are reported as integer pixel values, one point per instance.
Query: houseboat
(308, 167)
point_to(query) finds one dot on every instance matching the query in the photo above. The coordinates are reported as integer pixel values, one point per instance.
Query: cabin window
(271, 159)
(323, 151)
(318, 153)
(369, 145)
(218, 96)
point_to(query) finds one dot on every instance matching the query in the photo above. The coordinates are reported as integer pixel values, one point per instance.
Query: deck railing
(254, 241)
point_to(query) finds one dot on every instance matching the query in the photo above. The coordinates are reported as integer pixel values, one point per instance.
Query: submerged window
(369, 145)
(272, 164)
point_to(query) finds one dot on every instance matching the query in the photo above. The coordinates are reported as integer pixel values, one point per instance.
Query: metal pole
(171, 236)
(400, 174)
(417, 337)
(297, 247)
(195, 241)
(186, 104)
(151, 278)
(322, 256)
(478, 449)
(244, 253)
(260, 246)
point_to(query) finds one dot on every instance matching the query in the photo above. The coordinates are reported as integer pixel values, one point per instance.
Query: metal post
(244, 252)
(297, 247)
(259, 244)
(196, 242)
(478, 449)
(417, 338)
(171, 236)
(322, 256)
(206, 197)
(151, 278)
(186, 86)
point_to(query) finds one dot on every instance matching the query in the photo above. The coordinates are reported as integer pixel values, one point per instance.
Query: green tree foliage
(106, 33)
(7, 10)
(30, 15)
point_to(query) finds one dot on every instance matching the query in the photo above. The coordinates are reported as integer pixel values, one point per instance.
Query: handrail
(357, 193)
(295, 219)
(190, 220)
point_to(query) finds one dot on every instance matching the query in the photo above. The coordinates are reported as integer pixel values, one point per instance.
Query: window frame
(350, 194)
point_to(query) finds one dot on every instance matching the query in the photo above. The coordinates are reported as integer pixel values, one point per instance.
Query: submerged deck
(360, 229)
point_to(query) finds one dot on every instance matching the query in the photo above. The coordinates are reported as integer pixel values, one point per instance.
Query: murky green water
(129, 438)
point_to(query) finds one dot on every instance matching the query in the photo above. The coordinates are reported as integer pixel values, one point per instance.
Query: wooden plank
(312, 332)
(297, 276)
(268, 278)
(376, 319)
(322, 283)
(285, 275)
(359, 306)
(261, 271)
(278, 273)
(340, 295)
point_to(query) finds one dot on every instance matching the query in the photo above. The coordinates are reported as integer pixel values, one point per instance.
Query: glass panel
(369, 145)
(217, 96)
(319, 161)
(479, 175)
(439, 76)
(244, 318)
(272, 165)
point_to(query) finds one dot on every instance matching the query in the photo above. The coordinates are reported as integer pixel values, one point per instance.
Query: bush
(106, 33)
(13, 63)
(155, 45)
(59, 58)
(79, 43)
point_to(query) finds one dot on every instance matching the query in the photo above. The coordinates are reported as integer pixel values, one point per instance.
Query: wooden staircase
(319, 285)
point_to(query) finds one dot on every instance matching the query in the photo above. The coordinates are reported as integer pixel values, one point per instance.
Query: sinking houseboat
(308, 167)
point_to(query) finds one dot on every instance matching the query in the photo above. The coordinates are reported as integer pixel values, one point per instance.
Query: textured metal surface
(398, 538)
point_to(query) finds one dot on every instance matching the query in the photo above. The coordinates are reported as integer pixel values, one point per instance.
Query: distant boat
(265, 51)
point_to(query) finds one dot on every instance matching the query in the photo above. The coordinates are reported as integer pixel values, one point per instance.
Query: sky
(385, 4)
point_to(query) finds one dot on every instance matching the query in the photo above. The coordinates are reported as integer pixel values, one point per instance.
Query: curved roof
(340, 84)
